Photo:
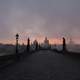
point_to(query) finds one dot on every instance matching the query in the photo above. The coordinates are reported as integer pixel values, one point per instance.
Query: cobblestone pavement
(43, 65)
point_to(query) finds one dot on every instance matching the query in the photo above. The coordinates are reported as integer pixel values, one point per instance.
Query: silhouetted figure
(28, 45)
(17, 37)
(64, 44)
(36, 44)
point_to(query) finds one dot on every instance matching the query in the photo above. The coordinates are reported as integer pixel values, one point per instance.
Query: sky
(39, 18)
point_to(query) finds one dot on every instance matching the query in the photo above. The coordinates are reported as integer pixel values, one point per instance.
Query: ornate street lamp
(17, 37)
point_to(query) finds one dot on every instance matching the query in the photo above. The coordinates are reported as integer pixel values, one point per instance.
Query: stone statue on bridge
(28, 45)
(36, 44)
(64, 44)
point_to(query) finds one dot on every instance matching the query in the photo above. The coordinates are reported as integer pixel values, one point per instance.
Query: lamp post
(17, 37)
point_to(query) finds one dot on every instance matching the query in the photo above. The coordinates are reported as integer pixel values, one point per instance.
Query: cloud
(52, 18)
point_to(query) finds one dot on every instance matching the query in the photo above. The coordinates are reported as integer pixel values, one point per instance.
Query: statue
(28, 45)
(36, 44)
(64, 44)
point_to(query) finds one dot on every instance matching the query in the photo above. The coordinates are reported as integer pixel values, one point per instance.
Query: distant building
(71, 41)
(46, 41)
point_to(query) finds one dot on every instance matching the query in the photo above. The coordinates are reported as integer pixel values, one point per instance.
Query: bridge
(42, 65)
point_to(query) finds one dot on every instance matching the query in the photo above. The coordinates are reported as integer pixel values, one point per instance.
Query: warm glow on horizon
(55, 41)
(40, 40)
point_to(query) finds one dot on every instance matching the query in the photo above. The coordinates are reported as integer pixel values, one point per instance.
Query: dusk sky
(39, 18)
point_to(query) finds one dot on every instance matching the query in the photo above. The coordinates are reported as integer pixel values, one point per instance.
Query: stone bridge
(43, 65)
